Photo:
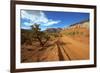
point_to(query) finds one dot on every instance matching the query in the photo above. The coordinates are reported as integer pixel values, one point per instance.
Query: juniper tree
(39, 35)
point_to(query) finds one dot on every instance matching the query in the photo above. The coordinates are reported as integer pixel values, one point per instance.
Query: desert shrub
(26, 36)
(81, 33)
(53, 35)
(77, 32)
(41, 36)
(73, 33)
(23, 39)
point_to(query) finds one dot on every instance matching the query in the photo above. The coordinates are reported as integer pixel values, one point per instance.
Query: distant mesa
(53, 29)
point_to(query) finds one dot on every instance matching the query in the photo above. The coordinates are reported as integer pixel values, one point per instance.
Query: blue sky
(50, 19)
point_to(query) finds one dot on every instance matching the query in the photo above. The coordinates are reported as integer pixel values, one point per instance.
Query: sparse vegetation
(28, 36)
(41, 36)
(53, 44)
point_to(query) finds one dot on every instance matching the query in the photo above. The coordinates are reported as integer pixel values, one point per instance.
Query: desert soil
(61, 49)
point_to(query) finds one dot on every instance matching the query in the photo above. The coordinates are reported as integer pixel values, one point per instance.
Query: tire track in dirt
(66, 53)
(61, 51)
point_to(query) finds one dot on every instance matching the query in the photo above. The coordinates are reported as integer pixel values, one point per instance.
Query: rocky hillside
(82, 24)
(78, 31)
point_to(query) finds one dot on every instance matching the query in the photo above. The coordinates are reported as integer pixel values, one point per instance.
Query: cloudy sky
(50, 19)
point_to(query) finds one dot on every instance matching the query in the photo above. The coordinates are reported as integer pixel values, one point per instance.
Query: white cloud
(38, 17)
(51, 22)
(27, 24)
(24, 27)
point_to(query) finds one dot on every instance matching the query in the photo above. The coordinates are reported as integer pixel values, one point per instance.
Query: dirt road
(63, 48)
(75, 49)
